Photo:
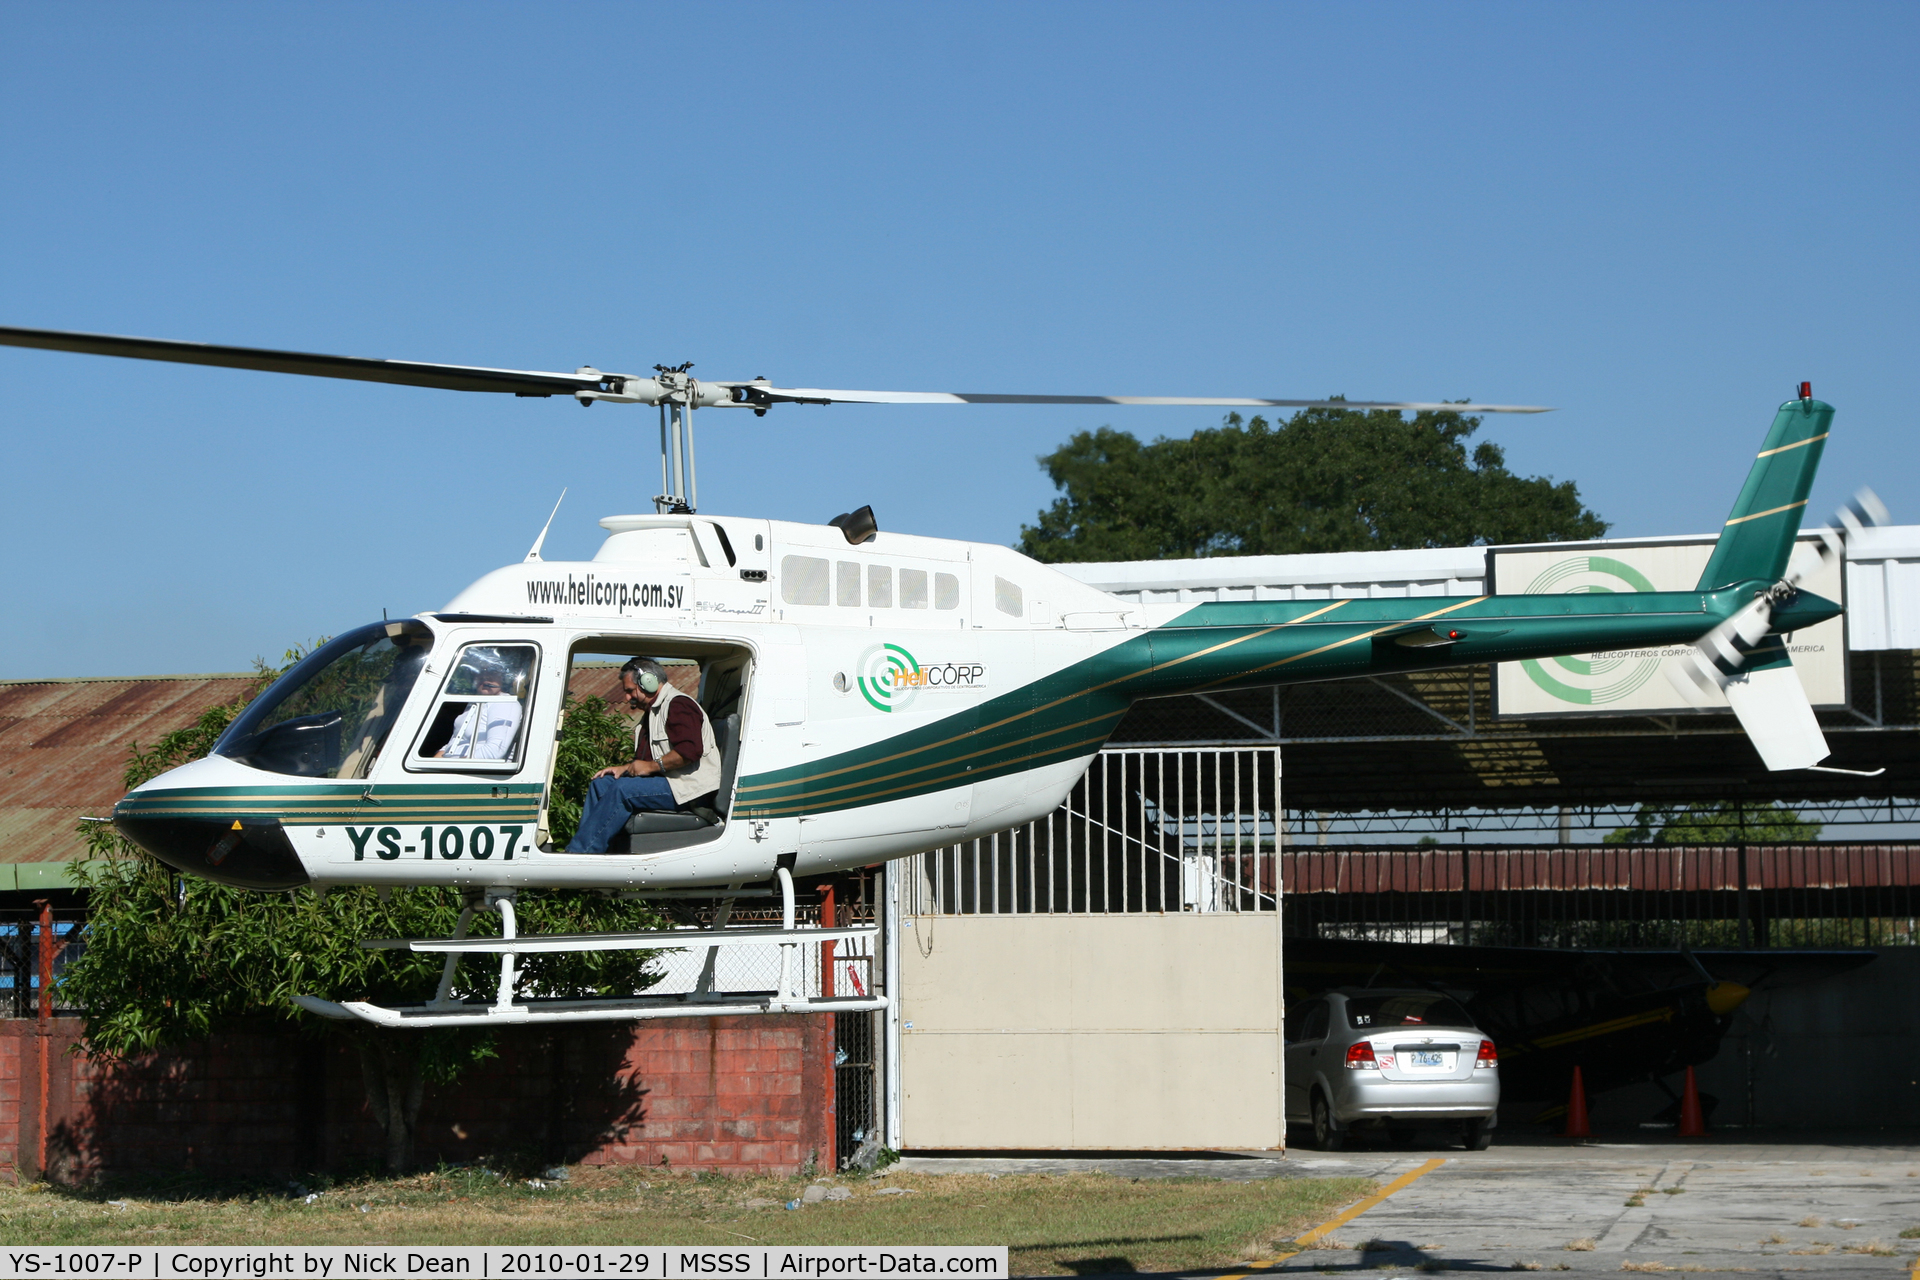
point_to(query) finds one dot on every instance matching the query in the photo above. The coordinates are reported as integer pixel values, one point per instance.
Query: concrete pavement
(1767, 1206)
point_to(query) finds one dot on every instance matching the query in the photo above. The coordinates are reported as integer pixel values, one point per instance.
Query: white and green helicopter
(873, 695)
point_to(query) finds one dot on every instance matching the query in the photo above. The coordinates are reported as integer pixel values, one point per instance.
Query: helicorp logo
(886, 677)
(1595, 679)
(890, 678)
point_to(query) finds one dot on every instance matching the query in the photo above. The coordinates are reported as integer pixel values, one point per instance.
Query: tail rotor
(1746, 662)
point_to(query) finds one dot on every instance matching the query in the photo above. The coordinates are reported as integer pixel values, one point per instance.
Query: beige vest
(689, 782)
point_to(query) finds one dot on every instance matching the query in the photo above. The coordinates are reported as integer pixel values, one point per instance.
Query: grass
(1054, 1225)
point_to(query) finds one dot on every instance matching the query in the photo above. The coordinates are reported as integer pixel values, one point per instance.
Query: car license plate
(1426, 1058)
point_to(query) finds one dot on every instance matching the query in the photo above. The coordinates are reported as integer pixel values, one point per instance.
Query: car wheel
(1325, 1136)
(1477, 1135)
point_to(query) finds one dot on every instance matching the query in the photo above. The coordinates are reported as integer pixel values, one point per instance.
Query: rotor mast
(679, 489)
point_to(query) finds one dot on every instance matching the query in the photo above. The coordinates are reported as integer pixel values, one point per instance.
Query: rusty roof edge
(211, 675)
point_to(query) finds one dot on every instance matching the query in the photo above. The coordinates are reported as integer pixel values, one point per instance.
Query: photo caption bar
(492, 1262)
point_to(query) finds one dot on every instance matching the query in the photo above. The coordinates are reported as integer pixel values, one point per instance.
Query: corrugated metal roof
(1656, 868)
(64, 744)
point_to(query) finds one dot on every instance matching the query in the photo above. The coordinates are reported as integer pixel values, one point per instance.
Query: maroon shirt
(683, 731)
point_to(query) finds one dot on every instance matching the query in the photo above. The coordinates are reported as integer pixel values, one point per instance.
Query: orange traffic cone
(1692, 1123)
(1577, 1126)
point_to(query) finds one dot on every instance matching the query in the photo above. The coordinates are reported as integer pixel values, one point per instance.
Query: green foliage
(1324, 480)
(1726, 822)
(592, 736)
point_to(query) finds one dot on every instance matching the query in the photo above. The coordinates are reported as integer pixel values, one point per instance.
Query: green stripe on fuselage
(1069, 713)
(331, 802)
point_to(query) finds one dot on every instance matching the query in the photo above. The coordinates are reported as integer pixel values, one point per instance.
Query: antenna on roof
(541, 541)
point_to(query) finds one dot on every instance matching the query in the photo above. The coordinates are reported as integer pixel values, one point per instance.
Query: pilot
(675, 763)
(485, 730)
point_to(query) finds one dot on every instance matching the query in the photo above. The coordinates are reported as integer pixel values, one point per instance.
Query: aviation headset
(647, 680)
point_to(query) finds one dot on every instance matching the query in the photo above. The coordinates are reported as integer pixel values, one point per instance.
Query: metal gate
(1143, 831)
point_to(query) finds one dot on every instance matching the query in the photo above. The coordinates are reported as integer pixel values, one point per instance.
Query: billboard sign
(1634, 681)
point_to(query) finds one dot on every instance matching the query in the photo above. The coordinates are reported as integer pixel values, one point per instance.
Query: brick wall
(731, 1095)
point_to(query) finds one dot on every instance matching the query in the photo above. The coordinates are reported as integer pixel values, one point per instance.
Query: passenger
(675, 762)
(486, 730)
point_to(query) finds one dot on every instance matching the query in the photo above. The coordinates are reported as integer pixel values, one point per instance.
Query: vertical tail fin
(1758, 537)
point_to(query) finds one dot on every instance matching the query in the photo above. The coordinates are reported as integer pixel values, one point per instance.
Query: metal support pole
(889, 969)
(1466, 890)
(693, 479)
(1746, 929)
(44, 1035)
(678, 489)
(666, 477)
(829, 919)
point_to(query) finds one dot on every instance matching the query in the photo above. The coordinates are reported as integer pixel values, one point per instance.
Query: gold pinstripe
(1772, 511)
(1365, 635)
(1768, 453)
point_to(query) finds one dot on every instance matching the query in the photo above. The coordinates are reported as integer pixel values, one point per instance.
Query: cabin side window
(946, 591)
(913, 588)
(880, 586)
(480, 719)
(1007, 597)
(846, 584)
(804, 579)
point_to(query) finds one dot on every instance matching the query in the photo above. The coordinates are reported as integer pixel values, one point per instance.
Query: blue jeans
(610, 802)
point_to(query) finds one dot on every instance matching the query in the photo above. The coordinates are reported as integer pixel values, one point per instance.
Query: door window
(480, 719)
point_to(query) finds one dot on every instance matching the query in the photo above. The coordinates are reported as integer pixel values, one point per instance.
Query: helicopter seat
(701, 813)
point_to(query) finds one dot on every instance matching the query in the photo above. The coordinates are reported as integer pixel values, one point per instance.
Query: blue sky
(1657, 217)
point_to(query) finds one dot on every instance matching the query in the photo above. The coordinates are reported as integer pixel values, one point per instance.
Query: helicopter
(873, 695)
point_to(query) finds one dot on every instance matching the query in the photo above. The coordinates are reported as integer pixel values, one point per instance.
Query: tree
(170, 959)
(1323, 480)
(1725, 822)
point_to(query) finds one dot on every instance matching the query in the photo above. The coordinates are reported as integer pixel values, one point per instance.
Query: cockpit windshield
(330, 715)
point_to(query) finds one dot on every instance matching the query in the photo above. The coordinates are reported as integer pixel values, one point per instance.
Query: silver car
(1397, 1060)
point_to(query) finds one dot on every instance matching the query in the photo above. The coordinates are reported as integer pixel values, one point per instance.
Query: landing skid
(788, 996)
(469, 1014)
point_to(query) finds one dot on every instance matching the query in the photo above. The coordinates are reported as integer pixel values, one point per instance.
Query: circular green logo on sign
(1590, 680)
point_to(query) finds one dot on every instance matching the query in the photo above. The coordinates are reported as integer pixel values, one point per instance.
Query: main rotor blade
(410, 373)
(819, 395)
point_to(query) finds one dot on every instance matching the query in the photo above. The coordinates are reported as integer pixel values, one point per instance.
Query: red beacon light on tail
(1806, 391)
